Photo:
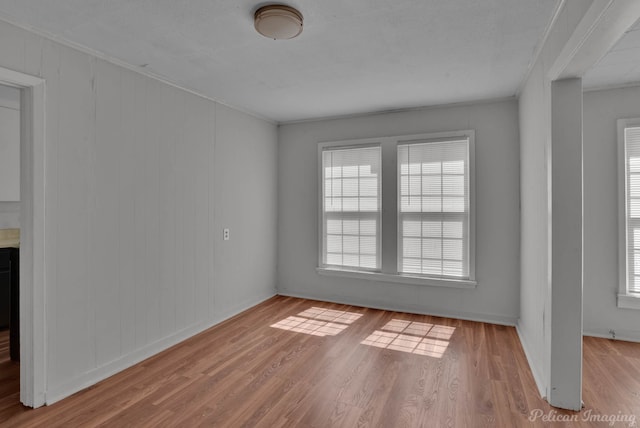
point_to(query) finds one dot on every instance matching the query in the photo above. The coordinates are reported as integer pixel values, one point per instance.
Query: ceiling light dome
(278, 21)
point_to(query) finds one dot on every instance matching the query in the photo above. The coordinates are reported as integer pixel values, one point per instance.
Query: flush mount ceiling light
(277, 21)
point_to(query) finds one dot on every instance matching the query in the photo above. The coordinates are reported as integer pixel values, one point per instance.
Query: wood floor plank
(280, 364)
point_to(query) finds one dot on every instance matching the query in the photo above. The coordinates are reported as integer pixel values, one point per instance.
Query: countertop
(9, 238)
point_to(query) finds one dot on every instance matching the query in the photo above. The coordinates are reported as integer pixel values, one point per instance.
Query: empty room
(352, 213)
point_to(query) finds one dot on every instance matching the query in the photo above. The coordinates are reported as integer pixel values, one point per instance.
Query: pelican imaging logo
(585, 416)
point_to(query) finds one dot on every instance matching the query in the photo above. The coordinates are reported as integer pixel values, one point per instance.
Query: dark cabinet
(5, 288)
(14, 334)
(10, 298)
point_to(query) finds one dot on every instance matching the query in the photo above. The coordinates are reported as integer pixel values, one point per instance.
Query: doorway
(32, 334)
(10, 142)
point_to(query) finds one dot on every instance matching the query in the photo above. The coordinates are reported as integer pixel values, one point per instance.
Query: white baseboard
(415, 309)
(535, 370)
(624, 335)
(96, 375)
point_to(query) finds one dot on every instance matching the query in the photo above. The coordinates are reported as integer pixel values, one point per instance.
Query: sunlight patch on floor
(412, 337)
(318, 322)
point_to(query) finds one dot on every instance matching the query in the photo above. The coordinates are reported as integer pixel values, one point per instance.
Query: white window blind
(632, 175)
(351, 207)
(434, 208)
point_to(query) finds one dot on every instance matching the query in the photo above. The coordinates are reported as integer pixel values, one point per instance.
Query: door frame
(33, 332)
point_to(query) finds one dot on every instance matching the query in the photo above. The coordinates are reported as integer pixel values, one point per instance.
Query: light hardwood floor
(302, 363)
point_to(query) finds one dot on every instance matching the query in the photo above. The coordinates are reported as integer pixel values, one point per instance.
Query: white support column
(565, 384)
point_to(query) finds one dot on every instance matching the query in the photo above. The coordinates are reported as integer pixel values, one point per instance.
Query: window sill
(629, 301)
(398, 278)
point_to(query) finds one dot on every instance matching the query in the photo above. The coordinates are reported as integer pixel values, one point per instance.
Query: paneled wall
(141, 178)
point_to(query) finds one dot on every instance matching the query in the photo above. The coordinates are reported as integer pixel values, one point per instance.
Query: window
(427, 209)
(351, 207)
(433, 219)
(629, 235)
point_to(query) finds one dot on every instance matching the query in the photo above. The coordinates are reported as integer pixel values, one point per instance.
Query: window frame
(346, 145)
(442, 137)
(389, 251)
(625, 300)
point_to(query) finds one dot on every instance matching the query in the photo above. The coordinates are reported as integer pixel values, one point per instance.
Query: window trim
(388, 203)
(345, 145)
(625, 299)
(443, 137)
(400, 278)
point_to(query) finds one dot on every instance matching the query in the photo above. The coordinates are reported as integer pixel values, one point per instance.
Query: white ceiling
(354, 56)
(620, 66)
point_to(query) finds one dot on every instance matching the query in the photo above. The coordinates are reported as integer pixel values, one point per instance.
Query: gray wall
(535, 105)
(9, 211)
(497, 176)
(601, 111)
(9, 215)
(141, 177)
